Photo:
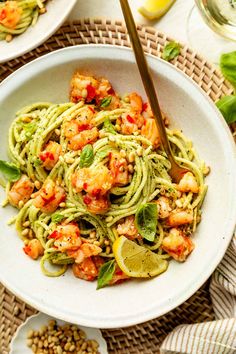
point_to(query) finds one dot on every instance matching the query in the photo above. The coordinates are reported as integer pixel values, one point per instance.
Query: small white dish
(47, 24)
(19, 346)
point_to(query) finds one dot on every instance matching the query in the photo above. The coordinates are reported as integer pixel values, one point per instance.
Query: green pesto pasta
(17, 15)
(89, 175)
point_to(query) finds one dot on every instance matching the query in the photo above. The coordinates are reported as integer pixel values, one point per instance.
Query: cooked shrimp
(86, 270)
(136, 102)
(34, 249)
(80, 123)
(119, 169)
(149, 130)
(77, 142)
(179, 217)
(105, 90)
(71, 128)
(146, 111)
(83, 88)
(98, 204)
(177, 245)
(188, 183)
(48, 198)
(95, 181)
(164, 207)
(21, 191)
(128, 229)
(131, 122)
(10, 14)
(67, 237)
(84, 251)
(50, 155)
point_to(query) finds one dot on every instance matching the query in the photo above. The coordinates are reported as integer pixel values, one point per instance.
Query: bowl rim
(35, 43)
(230, 226)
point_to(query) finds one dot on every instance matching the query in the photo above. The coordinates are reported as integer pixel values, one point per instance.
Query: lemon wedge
(155, 8)
(137, 261)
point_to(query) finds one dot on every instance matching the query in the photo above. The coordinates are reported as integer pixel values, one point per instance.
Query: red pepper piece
(130, 119)
(91, 93)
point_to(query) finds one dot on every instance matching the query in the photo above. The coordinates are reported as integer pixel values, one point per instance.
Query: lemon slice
(155, 8)
(137, 261)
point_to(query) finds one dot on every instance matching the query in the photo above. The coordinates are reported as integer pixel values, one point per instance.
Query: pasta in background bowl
(189, 109)
(30, 25)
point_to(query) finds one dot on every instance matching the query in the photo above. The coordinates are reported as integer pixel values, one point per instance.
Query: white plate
(188, 107)
(47, 24)
(18, 344)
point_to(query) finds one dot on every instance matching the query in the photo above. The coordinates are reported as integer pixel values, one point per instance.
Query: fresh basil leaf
(37, 162)
(106, 101)
(57, 217)
(146, 220)
(103, 153)
(171, 50)
(109, 126)
(228, 66)
(28, 130)
(106, 273)
(227, 106)
(87, 156)
(10, 171)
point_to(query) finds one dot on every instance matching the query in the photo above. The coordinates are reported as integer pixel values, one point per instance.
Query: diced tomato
(130, 119)
(83, 127)
(145, 106)
(111, 91)
(55, 234)
(87, 200)
(3, 14)
(91, 109)
(96, 192)
(27, 250)
(91, 93)
(46, 155)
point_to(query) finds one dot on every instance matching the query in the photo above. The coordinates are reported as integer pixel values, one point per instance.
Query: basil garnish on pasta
(106, 273)
(57, 217)
(106, 101)
(87, 156)
(109, 126)
(146, 221)
(10, 171)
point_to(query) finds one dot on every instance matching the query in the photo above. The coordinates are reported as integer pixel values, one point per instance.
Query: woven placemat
(147, 337)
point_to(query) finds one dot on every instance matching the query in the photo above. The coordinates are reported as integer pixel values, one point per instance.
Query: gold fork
(176, 171)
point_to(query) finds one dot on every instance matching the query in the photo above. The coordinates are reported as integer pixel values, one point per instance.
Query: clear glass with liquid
(220, 15)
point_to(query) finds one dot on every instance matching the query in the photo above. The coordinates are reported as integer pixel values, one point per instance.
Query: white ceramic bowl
(47, 24)
(19, 345)
(74, 300)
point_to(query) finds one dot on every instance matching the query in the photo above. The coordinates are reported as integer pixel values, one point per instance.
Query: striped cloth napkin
(219, 336)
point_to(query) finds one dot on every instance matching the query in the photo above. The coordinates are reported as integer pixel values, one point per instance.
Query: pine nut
(139, 151)
(21, 204)
(131, 168)
(8, 38)
(25, 232)
(131, 157)
(26, 223)
(42, 10)
(122, 153)
(84, 93)
(37, 184)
